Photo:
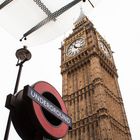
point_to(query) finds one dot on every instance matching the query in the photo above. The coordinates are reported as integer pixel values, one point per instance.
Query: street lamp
(22, 55)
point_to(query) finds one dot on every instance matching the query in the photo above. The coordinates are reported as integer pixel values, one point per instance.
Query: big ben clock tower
(90, 87)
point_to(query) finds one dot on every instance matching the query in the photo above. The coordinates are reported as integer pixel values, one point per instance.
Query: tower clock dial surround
(104, 48)
(75, 47)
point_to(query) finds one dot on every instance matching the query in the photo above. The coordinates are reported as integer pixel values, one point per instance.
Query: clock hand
(50, 17)
(75, 47)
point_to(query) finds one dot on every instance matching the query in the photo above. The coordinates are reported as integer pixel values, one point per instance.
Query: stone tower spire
(90, 86)
(81, 16)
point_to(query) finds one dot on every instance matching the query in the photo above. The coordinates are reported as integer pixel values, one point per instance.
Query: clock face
(104, 48)
(75, 47)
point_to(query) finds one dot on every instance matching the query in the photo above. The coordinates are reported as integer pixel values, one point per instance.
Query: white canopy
(19, 16)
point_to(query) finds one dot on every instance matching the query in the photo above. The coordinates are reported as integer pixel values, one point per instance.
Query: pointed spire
(81, 16)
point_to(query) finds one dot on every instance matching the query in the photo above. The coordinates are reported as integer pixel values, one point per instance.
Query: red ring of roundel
(59, 131)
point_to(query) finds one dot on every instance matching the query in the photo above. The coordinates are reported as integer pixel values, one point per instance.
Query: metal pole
(5, 3)
(15, 90)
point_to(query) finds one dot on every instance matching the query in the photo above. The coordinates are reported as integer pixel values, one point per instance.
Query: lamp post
(22, 55)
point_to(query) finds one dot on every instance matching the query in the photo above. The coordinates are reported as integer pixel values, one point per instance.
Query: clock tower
(90, 87)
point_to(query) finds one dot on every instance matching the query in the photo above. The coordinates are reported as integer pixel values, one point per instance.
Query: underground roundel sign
(40, 112)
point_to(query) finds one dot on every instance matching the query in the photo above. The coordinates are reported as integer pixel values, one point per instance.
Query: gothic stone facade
(90, 87)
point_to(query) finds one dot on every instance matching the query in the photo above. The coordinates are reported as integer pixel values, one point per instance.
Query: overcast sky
(118, 22)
